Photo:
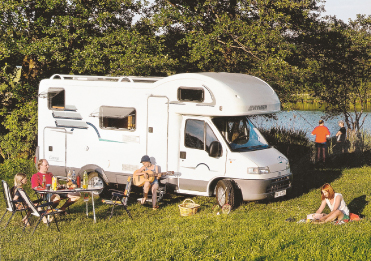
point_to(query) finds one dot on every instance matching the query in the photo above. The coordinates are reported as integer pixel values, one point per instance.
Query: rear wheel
(97, 181)
(225, 193)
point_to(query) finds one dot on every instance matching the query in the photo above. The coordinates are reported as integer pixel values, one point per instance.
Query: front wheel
(225, 193)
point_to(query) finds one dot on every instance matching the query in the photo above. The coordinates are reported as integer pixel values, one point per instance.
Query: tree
(341, 72)
(48, 37)
(254, 37)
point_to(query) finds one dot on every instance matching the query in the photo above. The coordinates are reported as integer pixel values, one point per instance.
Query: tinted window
(194, 134)
(210, 137)
(191, 94)
(117, 118)
(56, 98)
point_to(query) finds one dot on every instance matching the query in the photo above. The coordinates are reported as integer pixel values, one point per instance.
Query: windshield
(240, 133)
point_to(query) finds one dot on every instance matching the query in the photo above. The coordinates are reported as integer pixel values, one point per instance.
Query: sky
(345, 9)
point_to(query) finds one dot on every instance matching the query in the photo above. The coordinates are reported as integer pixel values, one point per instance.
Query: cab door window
(194, 134)
(199, 135)
(210, 137)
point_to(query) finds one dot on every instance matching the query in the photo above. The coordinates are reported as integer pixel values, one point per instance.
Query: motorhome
(195, 124)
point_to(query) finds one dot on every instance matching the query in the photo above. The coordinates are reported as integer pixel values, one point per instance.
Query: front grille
(279, 184)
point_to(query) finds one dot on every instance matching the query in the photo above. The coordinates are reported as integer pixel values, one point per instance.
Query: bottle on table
(85, 180)
(44, 182)
(73, 177)
(78, 181)
(54, 183)
(69, 175)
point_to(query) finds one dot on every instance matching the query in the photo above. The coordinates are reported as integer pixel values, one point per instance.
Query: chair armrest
(115, 190)
(118, 194)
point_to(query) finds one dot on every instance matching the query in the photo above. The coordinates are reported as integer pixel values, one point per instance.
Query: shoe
(143, 201)
(155, 207)
(26, 222)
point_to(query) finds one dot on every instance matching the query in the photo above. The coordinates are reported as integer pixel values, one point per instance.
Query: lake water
(305, 121)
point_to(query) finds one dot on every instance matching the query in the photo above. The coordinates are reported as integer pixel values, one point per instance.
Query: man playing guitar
(147, 165)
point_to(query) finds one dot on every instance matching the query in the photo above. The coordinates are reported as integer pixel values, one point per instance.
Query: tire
(95, 179)
(225, 193)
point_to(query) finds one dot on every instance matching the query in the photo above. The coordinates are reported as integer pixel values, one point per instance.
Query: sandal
(143, 201)
(155, 207)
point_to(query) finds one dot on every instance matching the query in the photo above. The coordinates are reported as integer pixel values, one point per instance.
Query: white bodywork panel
(73, 136)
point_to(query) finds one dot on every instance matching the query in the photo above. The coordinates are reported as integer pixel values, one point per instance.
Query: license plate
(280, 193)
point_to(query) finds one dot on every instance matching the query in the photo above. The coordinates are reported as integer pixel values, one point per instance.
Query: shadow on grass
(358, 204)
(308, 176)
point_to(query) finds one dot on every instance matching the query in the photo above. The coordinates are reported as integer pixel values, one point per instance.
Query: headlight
(258, 170)
(287, 165)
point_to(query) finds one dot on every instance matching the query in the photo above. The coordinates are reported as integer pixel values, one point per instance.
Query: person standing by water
(322, 133)
(341, 136)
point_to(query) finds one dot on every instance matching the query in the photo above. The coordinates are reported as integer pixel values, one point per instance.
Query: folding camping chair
(10, 203)
(40, 213)
(120, 198)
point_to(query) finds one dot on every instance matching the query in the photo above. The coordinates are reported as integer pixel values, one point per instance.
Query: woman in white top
(335, 202)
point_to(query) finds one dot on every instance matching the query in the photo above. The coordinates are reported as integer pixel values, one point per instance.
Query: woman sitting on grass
(335, 202)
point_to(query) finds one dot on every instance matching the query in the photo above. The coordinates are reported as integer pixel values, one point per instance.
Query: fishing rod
(304, 118)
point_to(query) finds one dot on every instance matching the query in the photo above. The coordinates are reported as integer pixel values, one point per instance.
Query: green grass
(253, 231)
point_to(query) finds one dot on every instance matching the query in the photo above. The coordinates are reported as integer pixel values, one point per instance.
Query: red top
(37, 179)
(321, 132)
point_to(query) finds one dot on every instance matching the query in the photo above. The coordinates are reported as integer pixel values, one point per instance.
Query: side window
(191, 94)
(194, 134)
(210, 137)
(121, 118)
(56, 98)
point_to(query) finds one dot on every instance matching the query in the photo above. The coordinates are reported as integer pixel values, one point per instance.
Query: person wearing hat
(147, 165)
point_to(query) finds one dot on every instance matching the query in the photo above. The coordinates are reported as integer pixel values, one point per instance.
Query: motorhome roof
(225, 93)
(105, 78)
(221, 93)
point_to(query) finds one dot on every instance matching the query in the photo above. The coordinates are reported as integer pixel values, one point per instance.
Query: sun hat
(145, 158)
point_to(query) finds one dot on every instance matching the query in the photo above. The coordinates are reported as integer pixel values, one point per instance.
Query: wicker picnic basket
(188, 208)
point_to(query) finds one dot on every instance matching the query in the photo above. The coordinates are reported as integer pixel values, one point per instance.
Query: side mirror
(215, 149)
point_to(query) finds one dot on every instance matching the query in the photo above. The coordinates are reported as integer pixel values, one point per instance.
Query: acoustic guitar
(140, 180)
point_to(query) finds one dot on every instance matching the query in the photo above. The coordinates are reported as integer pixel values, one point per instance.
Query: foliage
(11, 167)
(340, 72)
(254, 37)
(58, 36)
(20, 141)
(254, 231)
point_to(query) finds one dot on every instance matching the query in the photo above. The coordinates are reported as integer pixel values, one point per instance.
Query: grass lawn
(253, 231)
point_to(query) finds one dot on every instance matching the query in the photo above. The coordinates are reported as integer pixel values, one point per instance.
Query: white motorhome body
(196, 124)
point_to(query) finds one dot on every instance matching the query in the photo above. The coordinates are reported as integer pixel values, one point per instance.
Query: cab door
(197, 166)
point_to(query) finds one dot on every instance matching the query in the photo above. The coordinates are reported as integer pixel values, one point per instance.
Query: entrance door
(157, 130)
(55, 147)
(197, 167)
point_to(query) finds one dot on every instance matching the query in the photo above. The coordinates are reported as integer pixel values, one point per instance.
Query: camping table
(91, 189)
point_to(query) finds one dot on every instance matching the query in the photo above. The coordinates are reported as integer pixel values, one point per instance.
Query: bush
(11, 167)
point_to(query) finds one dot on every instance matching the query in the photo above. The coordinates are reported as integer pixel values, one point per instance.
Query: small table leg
(92, 200)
